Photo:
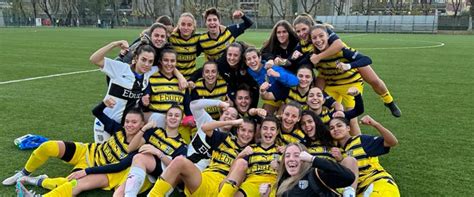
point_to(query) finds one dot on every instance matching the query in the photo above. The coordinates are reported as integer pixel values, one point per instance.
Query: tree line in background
(70, 12)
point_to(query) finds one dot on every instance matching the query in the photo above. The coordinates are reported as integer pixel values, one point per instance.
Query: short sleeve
(114, 69)
(373, 145)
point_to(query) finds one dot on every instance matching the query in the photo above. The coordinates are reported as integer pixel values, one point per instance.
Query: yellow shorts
(81, 158)
(210, 182)
(339, 93)
(384, 188)
(273, 103)
(116, 179)
(251, 185)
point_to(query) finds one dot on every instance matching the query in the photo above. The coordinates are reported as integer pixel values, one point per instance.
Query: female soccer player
(274, 82)
(82, 156)
(280, 46)
(128, 82)
(300, 93)
(210, 86)
(225, 148)
(184, 41)
(257, 162)
(290, 132)
(218, 37)
(373, 179)
(302, 174)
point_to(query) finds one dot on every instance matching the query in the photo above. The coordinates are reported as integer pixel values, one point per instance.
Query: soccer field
(430, 76)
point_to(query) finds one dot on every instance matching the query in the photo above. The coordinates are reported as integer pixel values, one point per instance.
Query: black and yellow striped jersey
(224, 151)
(332, 75)
(306, 47)
(187, 51)
(295, 95)
(366, 150)
(315, 148)
(295, 136)
(259, 161)
(214, 48)
(171, 146)
(219, 92)
(164, 93)
(326, 114)
(111, 151)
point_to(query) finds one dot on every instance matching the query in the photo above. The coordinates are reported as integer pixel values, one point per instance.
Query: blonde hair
(285, 182)
(187, 14)
(309, 21)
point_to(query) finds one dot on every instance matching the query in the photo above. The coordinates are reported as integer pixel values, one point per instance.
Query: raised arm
(138, 140)
(389, 139)
(97, 57)
(209, 127)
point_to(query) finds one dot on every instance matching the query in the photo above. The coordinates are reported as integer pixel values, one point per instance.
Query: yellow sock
(51, 183)
(63, 190)
(387, 97)
(41, 155)
(227, 190)
(160, 188)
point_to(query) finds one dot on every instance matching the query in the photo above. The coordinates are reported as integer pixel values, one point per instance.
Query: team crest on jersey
(349, 152)
(303, 184)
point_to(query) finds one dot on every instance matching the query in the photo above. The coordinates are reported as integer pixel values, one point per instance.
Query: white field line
(47, 76)
(433, 44)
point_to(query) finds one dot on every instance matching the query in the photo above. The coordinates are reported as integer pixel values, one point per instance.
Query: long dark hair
(321, 133)
(273, 42)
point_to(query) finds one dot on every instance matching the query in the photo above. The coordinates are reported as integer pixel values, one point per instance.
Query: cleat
(21, 191)
(394, 109)
(28, 180)
(12, 180)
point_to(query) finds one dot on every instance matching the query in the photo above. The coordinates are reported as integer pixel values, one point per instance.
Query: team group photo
(223, 98)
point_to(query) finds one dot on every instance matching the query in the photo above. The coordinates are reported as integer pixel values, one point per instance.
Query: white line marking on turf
(47, 76)
(435, 45)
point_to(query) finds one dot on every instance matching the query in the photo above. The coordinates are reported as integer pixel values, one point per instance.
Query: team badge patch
(303, 184)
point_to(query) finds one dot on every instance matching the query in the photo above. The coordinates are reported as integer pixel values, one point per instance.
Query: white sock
(134, 182)
(349, 192)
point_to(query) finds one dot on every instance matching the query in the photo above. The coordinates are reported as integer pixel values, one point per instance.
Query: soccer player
(302, 174)
(81, 155)
(280, 46)
(373, 179)
(300, 93)
(225, 148)
(184, 41)
(128, 82)
(274, 82)
(290, 132)
(257, 162)
(218, 37)
(210, 86)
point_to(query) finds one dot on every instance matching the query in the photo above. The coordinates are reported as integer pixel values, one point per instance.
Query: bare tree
(472, 8)
(426, 6)
(50, 8)
(281, 7)
(395, 6)
(339, 6)
(310, 5)
(456, 4)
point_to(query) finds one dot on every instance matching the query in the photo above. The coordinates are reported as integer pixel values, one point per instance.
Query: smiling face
(144, 62)
(242, 100)
(173, 118)
(282, 35)
(253, 60)
(305, 77)
(168, 63)
(245, 133)
(289, 118)
(229, 114)
(158, 37)
(302, 30)
(213, 24)
(339, 129)
(319, 38)
(233, 56)
(268, 132)
(133, 123)
(292, 160)
(209, 73)
(315, 98)
(186, 26)
(308, 125)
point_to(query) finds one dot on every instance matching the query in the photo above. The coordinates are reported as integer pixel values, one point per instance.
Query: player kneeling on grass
(373, 179)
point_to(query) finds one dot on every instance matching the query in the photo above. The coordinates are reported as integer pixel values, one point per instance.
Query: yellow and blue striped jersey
(111, 151)
(315, 148)
(295, 95)
(164, 93)
(259, 161)
(219, 92)
(214, 48)
(224, 151)
(332, 75)
(187, 51)
(366, 150)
